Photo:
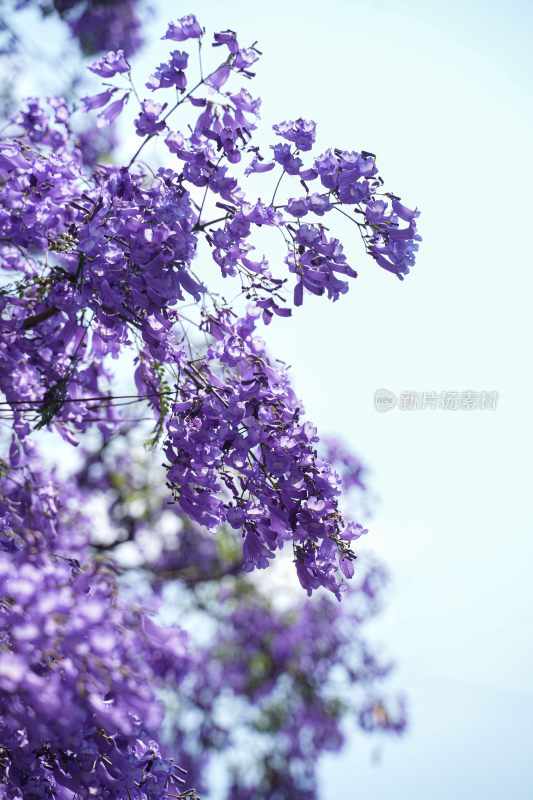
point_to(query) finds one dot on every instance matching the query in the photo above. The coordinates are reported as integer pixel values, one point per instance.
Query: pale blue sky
(440, 91)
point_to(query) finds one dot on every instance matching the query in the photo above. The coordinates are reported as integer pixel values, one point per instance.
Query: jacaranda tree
(112, 271)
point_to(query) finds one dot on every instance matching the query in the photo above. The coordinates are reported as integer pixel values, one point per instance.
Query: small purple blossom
(185, 28)
(147, 122)
(171, 73)
(218, 78)
(228, 38)
(302, 132)
(97, 100)
(284, 156)
(111, 112)
(110, 65)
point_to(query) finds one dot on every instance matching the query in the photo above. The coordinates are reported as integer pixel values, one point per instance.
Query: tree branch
(35, 319)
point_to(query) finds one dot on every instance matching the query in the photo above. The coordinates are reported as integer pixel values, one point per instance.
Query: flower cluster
(78, 666)
(72, 698)
(260, 659)
(101, 261)
(291, 672)
(120, 249)
(239, 451)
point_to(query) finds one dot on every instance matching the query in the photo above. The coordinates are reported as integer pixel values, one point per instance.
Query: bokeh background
(441, 92)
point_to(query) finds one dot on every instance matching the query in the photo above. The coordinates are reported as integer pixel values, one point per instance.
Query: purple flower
(255, 554)
(146, 123)
(97, 100)
(61, 111)
(99, 262)
(319, 203)
(396, 256)
(244, 59)
(218, 78)
(299, 207)
(170, 73)
(328, 169)
(11, 157)
(110, 65)
(245, 102)
(185, 28)
(259, 165)
(227, 38)
(403, 212)
(109, 114)
(302, 132)
(283, 155)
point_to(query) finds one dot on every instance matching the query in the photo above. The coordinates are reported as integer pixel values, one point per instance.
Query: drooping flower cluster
(239, 426)
(279, 677)
(78, 666)
(72, 698)
(117, 255)
(102, 260)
